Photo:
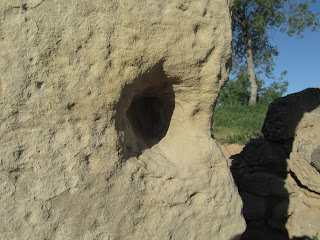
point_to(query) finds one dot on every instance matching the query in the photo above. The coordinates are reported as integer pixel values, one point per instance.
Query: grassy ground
(236, 123)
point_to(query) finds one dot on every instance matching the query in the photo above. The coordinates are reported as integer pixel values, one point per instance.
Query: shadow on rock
(302, 238)
(259, 172)
(261, 169)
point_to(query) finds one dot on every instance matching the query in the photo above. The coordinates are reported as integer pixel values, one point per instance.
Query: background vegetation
(252, 20)
(238, 123)
(234, 119)
(243, 103)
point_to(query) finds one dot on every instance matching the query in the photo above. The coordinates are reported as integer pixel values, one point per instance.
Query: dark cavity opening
(145, 111)
(150, 113)
(147, 117)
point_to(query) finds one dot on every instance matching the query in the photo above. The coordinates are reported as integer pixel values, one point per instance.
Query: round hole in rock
(150, 113)
(147, 117)
(144, 111)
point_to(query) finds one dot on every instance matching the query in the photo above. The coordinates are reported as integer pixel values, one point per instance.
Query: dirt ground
(230, 149)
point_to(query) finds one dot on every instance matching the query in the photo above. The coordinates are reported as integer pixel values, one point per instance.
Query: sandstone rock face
(105, 120)
(305, 190)
(278, 176)
(315, 158)
(303, 158)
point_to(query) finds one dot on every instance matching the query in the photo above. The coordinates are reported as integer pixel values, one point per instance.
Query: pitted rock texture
(304, 207)
(304, 147)
(315, 158)
(105, 120)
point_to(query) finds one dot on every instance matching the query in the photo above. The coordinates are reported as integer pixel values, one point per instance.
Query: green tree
(275, 90)
(238, 89)
(253, 19)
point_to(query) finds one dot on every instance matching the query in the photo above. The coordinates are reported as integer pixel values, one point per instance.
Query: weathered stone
(265, 154)
(305, 144)
(105, 111)
(280, 210)
(315, 158)
(304, 222)
(254, 232)
(303, 211)
(290, 150)
(254, 207)
(285, 113)
(262, 184)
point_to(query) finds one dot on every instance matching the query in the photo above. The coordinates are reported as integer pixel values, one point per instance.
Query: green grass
(237, 123)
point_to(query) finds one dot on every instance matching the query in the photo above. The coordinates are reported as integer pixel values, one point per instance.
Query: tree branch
(238, 21)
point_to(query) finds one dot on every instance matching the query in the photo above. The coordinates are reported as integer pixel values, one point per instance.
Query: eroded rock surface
(277, 175)
(105, 120)
(303, 158)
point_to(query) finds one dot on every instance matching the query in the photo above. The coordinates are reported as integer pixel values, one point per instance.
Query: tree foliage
(275, 90)
(252, 22)
(238, 90)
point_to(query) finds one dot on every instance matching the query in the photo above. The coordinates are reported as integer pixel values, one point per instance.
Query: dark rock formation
(285, 113)
(278, 175)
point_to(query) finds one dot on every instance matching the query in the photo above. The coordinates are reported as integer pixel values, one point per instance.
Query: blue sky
(300, 57)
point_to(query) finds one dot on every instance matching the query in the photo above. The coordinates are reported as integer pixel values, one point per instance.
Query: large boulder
(263, 153)
(105, 120)
(285, 113)
(315, 158)
(303, 158)
(278, 176)
(304, 186)
(303, 210)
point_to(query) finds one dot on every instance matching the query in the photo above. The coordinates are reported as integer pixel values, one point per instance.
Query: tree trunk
(251, 73)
